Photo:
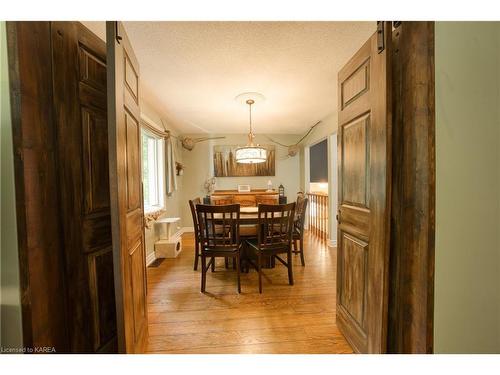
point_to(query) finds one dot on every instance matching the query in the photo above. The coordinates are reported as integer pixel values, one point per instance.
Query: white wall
(11, 327)
(467, 273)
(199, 167)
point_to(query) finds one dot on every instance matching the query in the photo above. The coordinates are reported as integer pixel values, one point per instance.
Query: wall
(467, 268)
(172, 202)
(199, 167)
(10, 328)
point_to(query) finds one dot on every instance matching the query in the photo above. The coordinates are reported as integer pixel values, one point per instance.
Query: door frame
(411, 283)
(39, 240)
(333, 180)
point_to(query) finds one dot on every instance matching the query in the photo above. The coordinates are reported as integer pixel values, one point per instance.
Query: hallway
(284, 319)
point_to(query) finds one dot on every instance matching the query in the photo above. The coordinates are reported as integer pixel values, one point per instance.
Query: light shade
(250, 155)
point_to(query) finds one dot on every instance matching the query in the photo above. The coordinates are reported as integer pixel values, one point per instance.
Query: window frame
(159, 168)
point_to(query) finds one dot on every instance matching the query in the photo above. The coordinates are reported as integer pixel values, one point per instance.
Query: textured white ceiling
(191, 71)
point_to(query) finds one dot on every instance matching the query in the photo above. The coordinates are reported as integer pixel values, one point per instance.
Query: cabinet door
(246, 200)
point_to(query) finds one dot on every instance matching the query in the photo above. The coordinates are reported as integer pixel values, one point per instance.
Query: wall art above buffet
(225, 164)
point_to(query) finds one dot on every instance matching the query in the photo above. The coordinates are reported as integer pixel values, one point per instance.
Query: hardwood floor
(283, 319)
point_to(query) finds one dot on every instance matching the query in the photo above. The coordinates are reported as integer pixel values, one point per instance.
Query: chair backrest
(267, 199)
(219, 225)
(219, 200)
(300, 213)
(275, 225)
(192, 206)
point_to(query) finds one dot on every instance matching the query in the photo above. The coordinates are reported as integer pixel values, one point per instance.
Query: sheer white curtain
(170, 170)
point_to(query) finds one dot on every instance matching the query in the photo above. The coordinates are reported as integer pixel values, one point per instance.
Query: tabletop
(249, 215)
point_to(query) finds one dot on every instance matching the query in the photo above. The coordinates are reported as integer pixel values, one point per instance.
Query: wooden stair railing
(318, 215)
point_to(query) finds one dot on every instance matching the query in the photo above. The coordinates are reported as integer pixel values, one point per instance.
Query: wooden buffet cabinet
(247, 198)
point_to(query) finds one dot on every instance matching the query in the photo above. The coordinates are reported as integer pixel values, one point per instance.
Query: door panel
(79, 84)
(355, 162)
(364, 196)
(356, 84)
(133, 166)
(136, 258)
(103, 296)
(95, 171)
(126, 190)
(354, 279)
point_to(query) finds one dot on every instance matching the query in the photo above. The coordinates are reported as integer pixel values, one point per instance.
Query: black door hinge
(118, 37)
(380, 36)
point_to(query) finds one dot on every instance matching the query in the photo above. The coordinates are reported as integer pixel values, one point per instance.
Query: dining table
(249, 215)
(249, 218)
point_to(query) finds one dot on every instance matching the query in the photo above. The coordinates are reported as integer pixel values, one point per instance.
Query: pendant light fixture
(251, 153)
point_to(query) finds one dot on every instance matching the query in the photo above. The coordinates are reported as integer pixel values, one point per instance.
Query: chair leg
(213, 264)
(302, 251)
(196, 255)
(289, 266)
(203, 273)
(226, 262)
(237, 262)
(259, 270)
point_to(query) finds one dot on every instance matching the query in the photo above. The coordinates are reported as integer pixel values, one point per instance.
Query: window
(153, 171)
(318, 162)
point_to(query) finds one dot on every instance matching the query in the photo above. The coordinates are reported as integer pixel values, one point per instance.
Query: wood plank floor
(283, 319)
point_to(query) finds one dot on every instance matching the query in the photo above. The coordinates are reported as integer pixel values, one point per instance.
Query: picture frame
(244, 188)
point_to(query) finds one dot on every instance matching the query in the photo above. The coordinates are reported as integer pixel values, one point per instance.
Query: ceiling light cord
(250, 105)
(250, 135)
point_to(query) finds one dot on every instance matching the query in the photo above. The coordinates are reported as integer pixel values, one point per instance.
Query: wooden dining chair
(196, 226)
(298, 227)
(267, 199)
(275, 225)
(219, 236)
(218, 200)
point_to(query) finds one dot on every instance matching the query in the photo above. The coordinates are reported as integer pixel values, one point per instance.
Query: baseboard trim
(150, 258)
(332, 243)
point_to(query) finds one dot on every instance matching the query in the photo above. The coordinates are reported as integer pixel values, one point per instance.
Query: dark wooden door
(364, 166)
(126, 190)
(79, 84)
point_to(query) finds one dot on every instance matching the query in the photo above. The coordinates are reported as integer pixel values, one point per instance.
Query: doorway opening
(168, 297)
(317, 166)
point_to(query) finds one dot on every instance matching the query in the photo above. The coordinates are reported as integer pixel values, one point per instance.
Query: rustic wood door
(126, 190)
(364, 172)
(79, 87)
